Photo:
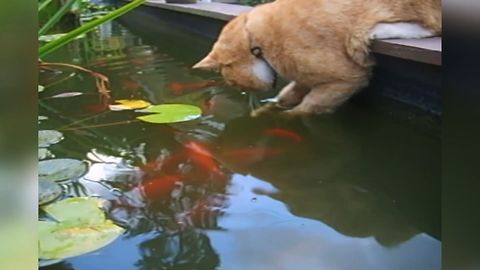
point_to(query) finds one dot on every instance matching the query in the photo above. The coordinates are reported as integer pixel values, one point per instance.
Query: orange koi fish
(160, 188)
(180, 88)
(283, 133)
(202, 157)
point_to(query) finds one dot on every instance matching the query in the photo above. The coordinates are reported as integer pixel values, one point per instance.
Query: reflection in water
(354, 190)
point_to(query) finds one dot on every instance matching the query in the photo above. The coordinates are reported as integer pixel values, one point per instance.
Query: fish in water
(203, 157)
(283, 133)
(160, 188)
(178, 88)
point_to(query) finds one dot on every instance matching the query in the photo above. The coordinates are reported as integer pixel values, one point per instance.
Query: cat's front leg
(291, 95)
(325, 98)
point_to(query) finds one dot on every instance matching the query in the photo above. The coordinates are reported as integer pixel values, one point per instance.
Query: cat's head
(233, 57)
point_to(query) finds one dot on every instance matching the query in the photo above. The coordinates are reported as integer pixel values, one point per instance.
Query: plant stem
(44, 4)
(56, 17)
(101, 125)
(56, 44)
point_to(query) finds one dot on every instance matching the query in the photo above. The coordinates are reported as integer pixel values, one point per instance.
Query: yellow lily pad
(129, 104)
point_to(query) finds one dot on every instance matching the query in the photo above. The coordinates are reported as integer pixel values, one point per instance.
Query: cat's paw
(269, 108)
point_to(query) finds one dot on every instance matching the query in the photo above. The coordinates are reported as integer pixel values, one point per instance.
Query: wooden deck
(427, 51)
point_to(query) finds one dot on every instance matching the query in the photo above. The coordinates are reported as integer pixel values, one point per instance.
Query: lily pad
(81, 228)
(48, 192)
(49, 137)
(44, 153)
(61, 169)
(170, 113)
(67, 94)
(129, 104)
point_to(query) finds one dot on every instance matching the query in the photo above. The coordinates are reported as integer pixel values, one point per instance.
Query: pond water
(359, 189)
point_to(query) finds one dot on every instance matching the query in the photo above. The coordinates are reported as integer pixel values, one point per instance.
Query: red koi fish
(180, 88)
(283, 133)
(160, 188)
(202, 157)
(168, 164)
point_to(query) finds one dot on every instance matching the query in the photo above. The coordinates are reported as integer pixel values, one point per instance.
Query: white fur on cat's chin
(399, 30)
(263, 71)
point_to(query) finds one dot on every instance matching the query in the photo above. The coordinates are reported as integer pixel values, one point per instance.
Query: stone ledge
(427, 50)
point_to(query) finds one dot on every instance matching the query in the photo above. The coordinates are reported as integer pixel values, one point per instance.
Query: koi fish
(202, 157)
(169, 163)
(283, 133)
(180, 88)
(160, 188)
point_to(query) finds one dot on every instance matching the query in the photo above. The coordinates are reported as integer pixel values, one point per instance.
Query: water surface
(359, 189)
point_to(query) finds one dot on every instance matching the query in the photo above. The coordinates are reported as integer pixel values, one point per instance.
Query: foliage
(87, 27)
(170, 113)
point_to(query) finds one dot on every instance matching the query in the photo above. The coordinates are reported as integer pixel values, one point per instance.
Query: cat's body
(321, 46)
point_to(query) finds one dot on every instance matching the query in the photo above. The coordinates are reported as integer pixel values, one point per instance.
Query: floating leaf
(170, 113)
(67, 94)
(49, 137)
(61, 169)
(129, 104)
(44, 153)
(48, 191)
(81, 228)
(41, 88)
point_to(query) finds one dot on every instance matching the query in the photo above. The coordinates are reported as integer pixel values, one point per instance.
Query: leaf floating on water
(81, 228)
(61, 169)
(44, 153)
(129, 104)
(48, 191)
(170, 113)
(49, 137)
(67, 94)
(41, 88)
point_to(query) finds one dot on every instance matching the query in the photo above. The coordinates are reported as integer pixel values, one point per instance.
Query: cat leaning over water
(320, 46)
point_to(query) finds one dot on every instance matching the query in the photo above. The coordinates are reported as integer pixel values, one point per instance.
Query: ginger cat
(321, 46)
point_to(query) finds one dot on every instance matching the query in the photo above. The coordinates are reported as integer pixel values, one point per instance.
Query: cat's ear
(208, 63)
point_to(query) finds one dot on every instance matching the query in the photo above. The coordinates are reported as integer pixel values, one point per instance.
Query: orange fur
(321, 46)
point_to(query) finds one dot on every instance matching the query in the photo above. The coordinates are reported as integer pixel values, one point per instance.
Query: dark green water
(359, 189)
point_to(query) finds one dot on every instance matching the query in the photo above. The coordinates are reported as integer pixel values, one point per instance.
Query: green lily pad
(48, 192)
(61, 169)
(170, 113)
(44, 153)
(49, 137)
(81, 228)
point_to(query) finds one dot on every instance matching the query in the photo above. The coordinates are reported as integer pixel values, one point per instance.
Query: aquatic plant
(53, 45)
